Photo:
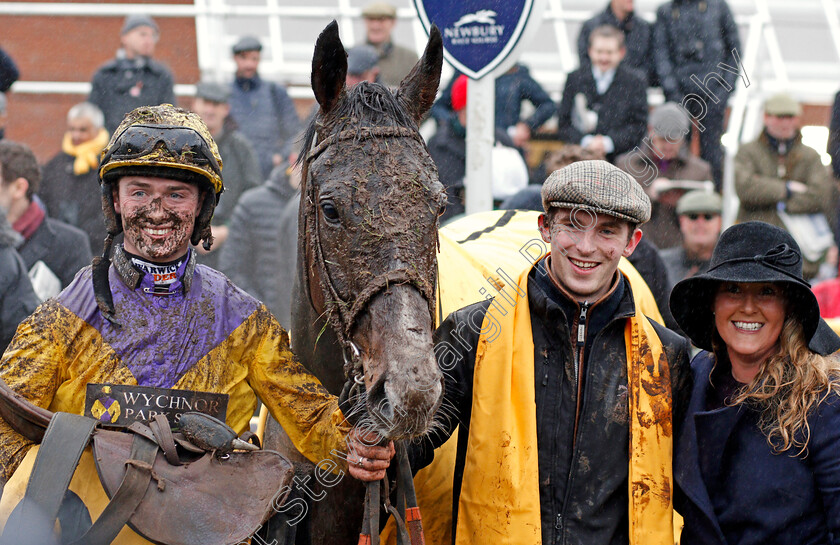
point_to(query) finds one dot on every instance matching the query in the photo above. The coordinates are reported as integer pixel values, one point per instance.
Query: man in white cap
(133, 78)
(777, 171)
(699, 214)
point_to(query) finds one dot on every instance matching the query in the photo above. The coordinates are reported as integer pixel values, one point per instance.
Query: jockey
(145, 314)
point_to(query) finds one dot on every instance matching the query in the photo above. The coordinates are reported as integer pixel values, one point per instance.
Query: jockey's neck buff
(164, 274)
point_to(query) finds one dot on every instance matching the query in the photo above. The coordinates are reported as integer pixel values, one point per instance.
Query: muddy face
(404, 384)
(375, 212)
(158, 216)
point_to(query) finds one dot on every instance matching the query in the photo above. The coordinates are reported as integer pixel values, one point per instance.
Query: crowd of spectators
(690, 51)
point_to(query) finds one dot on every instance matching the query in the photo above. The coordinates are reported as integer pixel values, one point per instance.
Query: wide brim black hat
(753, 251)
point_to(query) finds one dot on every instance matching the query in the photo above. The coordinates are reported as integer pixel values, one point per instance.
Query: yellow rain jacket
(207, 335)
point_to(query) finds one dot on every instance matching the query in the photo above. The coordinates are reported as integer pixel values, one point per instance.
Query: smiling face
(158, 216)
(585, 250)
(606, 53)
(749, 319)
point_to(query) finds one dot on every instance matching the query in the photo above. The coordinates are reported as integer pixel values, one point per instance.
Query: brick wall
(71, 48)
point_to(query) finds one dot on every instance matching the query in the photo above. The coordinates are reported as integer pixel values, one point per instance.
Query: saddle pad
(209, 501)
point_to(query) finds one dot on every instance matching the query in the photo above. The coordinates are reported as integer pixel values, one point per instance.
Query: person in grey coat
(17, 299)
(692, 39)
(259, 255)
(263, 109)
(241, 167)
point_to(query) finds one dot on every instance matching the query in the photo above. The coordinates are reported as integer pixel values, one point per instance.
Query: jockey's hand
(366, 461)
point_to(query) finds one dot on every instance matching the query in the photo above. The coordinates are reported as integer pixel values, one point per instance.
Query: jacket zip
(580, 346)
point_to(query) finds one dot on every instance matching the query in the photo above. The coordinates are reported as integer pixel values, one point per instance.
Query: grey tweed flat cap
(597, 186)
(246, 43)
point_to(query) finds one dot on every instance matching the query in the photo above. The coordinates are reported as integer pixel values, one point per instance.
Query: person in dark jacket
(448, 148)
(17, 300)
(757, 459)
(63, 248)
(259, 255)
(242, 169)
(691, 40)
(537, 383)
(638, 37)
(69, 181)
(604, 106)
(263, 110)
(133, 78)
(512, 88)
(8, 71)
(834, 136)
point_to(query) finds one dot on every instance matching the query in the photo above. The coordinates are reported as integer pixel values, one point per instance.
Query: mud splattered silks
(500, 489)
(207, 335)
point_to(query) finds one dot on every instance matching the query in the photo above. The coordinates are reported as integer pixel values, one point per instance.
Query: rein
(342, 313)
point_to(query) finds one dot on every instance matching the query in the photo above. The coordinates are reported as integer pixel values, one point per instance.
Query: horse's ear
(418, 89)
(329, 67)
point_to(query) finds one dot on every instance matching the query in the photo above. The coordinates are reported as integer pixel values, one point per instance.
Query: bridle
(342, 312)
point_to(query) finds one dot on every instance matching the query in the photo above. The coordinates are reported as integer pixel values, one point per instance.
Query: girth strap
(64, 441)
(66, 438)
(138, 474)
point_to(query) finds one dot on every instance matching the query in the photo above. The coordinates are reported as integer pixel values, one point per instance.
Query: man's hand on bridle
(366, 461)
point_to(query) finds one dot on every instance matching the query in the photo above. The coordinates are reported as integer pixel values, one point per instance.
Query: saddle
(196, 487)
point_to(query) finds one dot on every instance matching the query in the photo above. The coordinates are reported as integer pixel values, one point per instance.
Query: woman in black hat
(757, 459)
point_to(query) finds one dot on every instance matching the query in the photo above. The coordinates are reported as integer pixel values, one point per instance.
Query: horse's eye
(330, 212)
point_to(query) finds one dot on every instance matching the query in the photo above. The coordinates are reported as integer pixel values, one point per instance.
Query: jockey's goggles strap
(181, 142)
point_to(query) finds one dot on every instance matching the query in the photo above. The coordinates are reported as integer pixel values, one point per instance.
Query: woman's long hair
(789, 384)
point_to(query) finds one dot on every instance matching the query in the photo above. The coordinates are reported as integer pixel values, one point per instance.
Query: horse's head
(368, 233)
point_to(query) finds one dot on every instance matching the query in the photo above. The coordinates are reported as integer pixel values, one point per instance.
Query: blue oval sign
(477, 34)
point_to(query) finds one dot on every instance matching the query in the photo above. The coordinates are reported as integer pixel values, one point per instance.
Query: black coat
(259, 254)
(17, 300)
(690, 38)
(638, 38)
(583, 492)
(622, 109)
(63, 248)
(121, 85)
(755, 496)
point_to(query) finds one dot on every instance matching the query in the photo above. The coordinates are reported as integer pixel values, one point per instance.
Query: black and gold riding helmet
(166, 142)
(163, 142)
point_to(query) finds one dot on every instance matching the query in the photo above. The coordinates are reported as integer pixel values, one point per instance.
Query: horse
(363, 309)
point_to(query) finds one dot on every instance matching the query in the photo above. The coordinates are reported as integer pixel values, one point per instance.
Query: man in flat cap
(133, 78)
(663, 164)
(699, 215)
(777, 171)
(546, 382)
(263, 109)
(395, 61)
(242, 170)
